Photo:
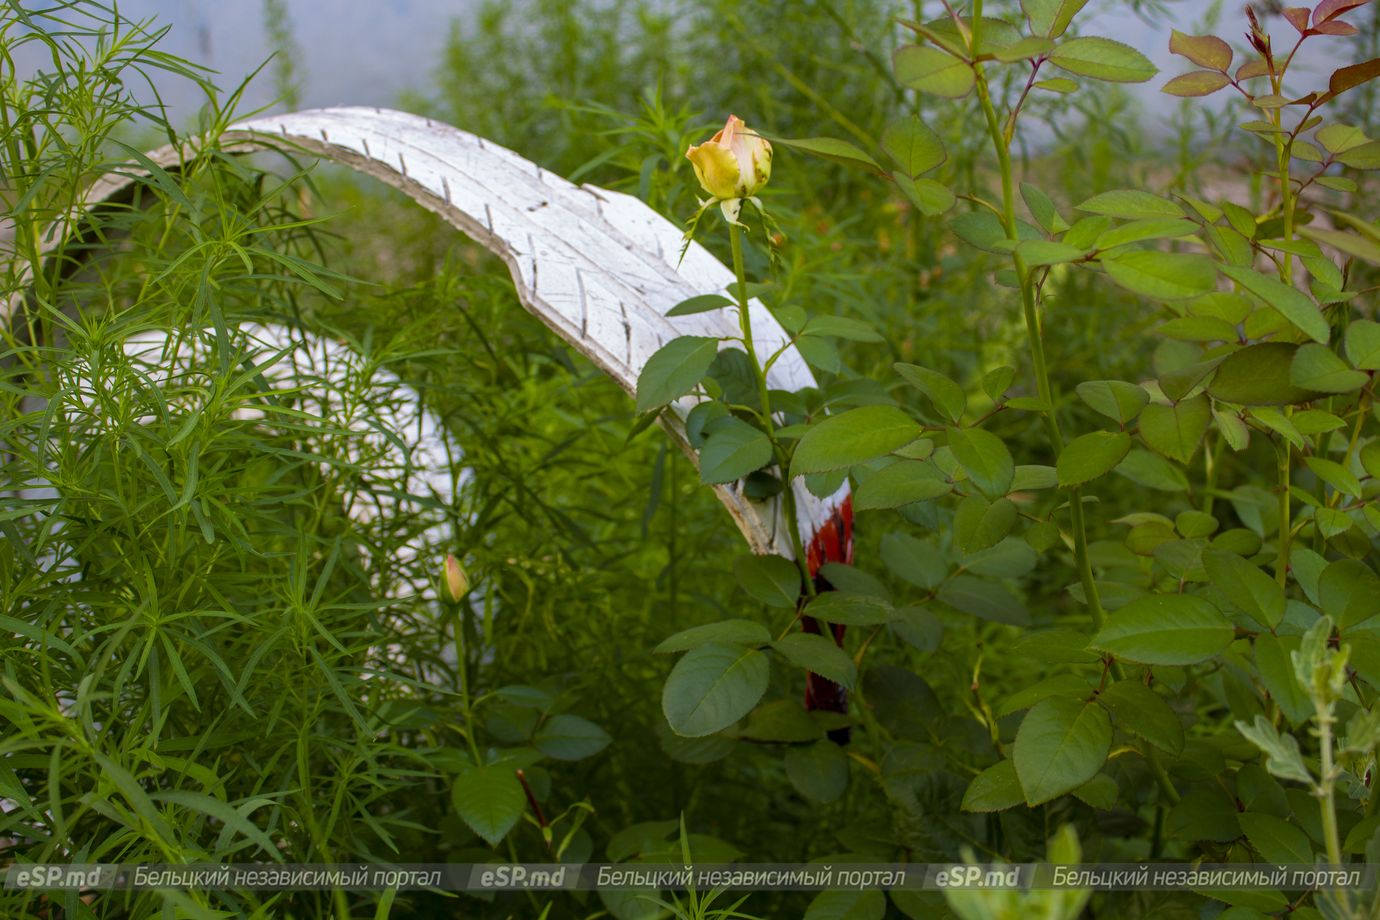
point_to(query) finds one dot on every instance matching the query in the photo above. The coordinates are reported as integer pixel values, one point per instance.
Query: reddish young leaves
(1204, 50)
(1336, 27)
(1331, 9)
(1298, 18)
(1197, 83)
(1326, 19)
(1351, 77)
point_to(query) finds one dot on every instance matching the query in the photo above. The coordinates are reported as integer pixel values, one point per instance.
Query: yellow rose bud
(456, 581)
(734, 163)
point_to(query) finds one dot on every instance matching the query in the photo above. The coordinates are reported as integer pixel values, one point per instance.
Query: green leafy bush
(1106, 407)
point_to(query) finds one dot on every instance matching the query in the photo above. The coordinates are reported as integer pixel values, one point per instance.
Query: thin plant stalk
(1286, 272)
(760, 375)
(1033, 331)
(1035, 334)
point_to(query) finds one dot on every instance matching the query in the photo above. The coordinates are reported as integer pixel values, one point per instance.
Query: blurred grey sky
(353, 52)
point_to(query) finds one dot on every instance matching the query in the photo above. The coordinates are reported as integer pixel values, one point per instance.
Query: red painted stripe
(833, 542)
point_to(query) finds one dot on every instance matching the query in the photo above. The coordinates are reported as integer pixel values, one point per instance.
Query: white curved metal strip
(598, 267)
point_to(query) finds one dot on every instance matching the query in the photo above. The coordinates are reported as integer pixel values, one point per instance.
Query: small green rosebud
(457, 583)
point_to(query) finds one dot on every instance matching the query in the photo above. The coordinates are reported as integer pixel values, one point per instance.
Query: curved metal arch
(596, 266)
